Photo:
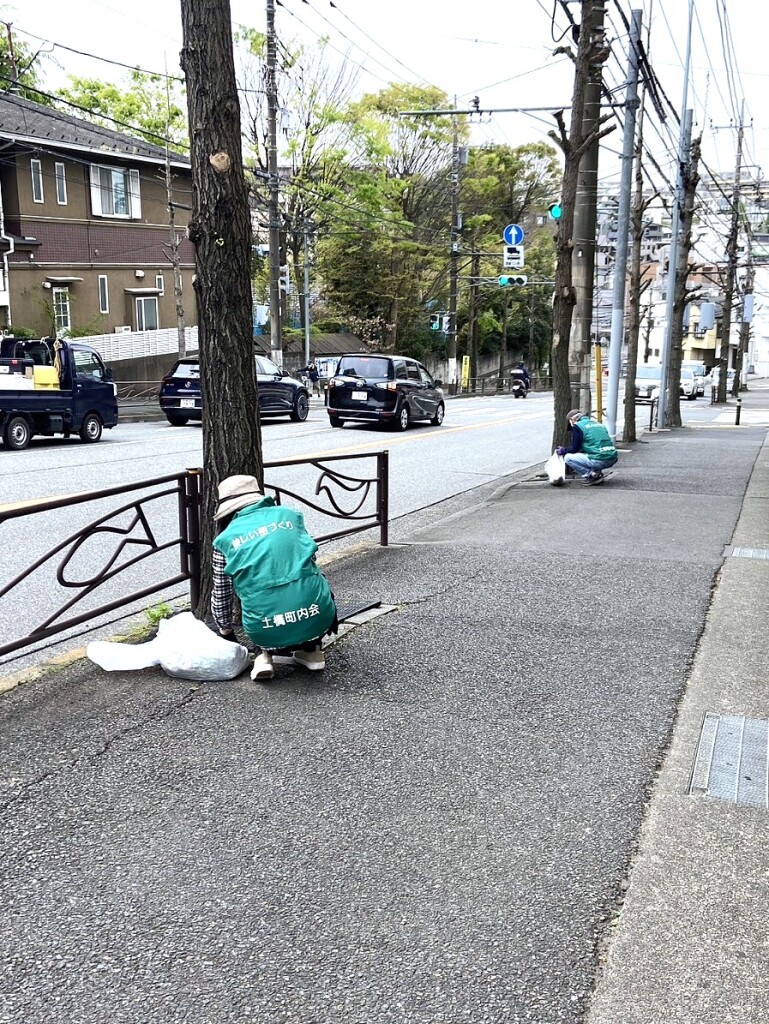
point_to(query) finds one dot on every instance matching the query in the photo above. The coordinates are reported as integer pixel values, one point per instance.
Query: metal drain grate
(732, 760)
(750, 553)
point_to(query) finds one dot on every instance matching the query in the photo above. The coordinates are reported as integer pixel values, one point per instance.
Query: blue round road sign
(513, 234)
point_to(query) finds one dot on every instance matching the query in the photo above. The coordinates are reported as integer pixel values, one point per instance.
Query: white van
(648, 380)
(700, 372)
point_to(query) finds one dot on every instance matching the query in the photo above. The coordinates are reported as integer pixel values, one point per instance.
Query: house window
(147, 313)
(115, 192)
(37, 181)
(103, 294)
(159, 284)
(61, 184)
(61, 314)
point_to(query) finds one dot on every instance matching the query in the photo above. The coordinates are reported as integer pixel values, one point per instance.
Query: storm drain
(732, 760)
(750, 553)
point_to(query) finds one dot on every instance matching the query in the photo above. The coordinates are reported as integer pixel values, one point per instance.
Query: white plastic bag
(184, 648)
(555, 467)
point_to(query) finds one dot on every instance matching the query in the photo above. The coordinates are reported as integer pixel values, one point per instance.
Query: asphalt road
(481, 441)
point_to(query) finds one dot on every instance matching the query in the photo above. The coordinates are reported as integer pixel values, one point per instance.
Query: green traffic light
(555, 210)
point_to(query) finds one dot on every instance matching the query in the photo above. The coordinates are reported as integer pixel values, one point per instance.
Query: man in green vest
(266, 556)
(591, 450)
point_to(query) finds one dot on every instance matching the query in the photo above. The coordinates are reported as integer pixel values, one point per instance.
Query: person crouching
(264, 554)
(591, 450)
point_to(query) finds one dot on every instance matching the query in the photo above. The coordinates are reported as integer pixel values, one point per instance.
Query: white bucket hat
(236, 492)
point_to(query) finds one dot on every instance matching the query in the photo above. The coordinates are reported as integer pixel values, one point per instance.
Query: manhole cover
(733, 759)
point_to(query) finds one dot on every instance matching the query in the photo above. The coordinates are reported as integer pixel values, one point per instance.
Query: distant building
(84, 232)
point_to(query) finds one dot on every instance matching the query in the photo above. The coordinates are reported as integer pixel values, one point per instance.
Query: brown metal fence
(129, 537)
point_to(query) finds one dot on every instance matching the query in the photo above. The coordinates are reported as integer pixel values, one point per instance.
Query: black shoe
(595, 477)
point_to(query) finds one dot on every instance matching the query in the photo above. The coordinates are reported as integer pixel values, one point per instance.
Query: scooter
(518, 388)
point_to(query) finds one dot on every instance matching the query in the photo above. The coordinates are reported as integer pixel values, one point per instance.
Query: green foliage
(29, 66)
(142, 106)
(22, 333)
(94, 326)
(157, 613)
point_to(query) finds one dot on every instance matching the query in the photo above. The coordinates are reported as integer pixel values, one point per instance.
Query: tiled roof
(23, 120)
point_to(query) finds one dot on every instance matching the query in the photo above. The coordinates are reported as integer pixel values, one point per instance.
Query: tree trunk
(691, 180)
(220, 229)
(634, 290)
(742, 349)
(591, 51)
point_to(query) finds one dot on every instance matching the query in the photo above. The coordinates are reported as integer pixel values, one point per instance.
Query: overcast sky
(501, 52)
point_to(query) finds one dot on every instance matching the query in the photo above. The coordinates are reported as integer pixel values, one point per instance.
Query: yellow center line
(419, 435)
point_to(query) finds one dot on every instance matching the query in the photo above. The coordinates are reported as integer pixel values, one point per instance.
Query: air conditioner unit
(125, 329)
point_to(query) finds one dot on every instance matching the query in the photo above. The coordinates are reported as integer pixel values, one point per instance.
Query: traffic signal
(514, 279)
(555, 210)
(446, 323)
(435, 321)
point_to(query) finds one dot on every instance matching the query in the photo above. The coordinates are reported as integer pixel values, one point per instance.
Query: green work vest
(596, 440)
(285, 598)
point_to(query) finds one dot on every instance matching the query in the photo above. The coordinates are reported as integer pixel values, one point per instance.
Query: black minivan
(390, 390)
(279, 393)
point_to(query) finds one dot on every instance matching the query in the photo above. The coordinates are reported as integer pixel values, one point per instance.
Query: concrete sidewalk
(445, 826)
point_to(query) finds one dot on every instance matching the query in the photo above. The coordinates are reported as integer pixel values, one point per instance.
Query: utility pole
(453, 256)
(14, 86)
(276, 332)
(475, 287)
(623, 227)
(175, 239)
(635, 289)
(674, 230)
(503, 346)
(731, 269)
(583, 258)
(306, 228)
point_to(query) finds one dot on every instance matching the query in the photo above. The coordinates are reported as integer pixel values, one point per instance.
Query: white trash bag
(555, 467)
(184, 648)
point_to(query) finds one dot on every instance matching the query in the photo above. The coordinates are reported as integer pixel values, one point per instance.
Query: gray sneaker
(314, 661)
(263, 669)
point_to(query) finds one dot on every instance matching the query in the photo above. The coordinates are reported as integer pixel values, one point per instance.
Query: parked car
(688, 382)
(279, 394)
(700, 372)
(648, 380)
(647, 383)
(712, 381)
(389, 390)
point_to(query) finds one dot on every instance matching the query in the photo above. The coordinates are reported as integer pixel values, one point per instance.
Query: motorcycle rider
(520, 373)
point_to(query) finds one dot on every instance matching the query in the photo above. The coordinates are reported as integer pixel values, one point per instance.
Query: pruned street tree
(592, 50)
(680, 278)
(220, 229)
(636, 285)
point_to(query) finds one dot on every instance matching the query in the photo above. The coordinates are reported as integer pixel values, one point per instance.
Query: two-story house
(85, 240)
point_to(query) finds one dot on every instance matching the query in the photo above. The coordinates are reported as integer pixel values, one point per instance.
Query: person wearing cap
(591, 450)
(264, 554)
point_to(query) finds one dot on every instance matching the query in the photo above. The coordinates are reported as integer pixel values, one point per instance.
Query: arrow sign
(512, 257)
(513, 234)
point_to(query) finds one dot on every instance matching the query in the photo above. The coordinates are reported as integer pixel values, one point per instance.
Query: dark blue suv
(279, 394)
